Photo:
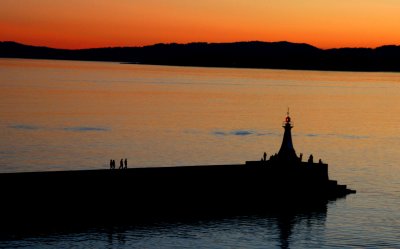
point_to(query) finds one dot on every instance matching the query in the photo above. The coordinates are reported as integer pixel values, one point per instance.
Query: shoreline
(257, 55)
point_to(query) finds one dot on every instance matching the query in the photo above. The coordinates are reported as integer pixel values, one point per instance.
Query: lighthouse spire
(287, 151)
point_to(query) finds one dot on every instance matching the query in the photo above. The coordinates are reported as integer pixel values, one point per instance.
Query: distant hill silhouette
(274, 55)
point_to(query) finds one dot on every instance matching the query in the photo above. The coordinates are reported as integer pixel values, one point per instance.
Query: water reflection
(273, 229)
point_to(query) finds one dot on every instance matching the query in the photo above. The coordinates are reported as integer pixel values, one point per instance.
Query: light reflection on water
(275, 230)
(62, 115)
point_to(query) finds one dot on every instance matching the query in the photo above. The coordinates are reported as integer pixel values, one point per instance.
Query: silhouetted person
(111, 164)
(272, 158)
(126, 163)
(320, 161)
(301, 157)
(121, 164)
(265, 156)
(311, 159)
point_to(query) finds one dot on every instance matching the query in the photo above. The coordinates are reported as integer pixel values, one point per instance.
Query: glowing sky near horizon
(100, 23)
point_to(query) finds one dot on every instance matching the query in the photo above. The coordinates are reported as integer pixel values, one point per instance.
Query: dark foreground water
(272, 231)
(57, 115)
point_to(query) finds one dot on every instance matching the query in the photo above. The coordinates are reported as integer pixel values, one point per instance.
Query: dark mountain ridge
(254, 54)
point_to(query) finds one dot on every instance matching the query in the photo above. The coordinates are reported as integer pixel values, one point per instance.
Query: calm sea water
(67, 115)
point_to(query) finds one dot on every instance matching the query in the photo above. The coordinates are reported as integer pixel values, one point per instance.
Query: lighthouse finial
(287, 120)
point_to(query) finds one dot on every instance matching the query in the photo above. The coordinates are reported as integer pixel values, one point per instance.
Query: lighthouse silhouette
(287, 152)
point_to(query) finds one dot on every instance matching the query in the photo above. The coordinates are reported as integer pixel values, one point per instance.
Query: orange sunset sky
(101, 23)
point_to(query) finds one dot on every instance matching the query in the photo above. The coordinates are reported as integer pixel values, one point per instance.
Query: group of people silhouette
(311, 160)
(122, 164)
(273, 157)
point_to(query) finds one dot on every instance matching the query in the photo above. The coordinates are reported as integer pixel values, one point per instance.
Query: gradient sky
(100, 23)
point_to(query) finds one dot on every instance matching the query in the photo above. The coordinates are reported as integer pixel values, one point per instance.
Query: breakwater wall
(143, 193)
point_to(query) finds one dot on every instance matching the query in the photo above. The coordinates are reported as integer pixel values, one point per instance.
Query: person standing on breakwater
(311, 159)
(121, 164)
(112, 164)
(126, 163)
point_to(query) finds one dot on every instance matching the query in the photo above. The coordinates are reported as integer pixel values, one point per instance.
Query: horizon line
(198, 42)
